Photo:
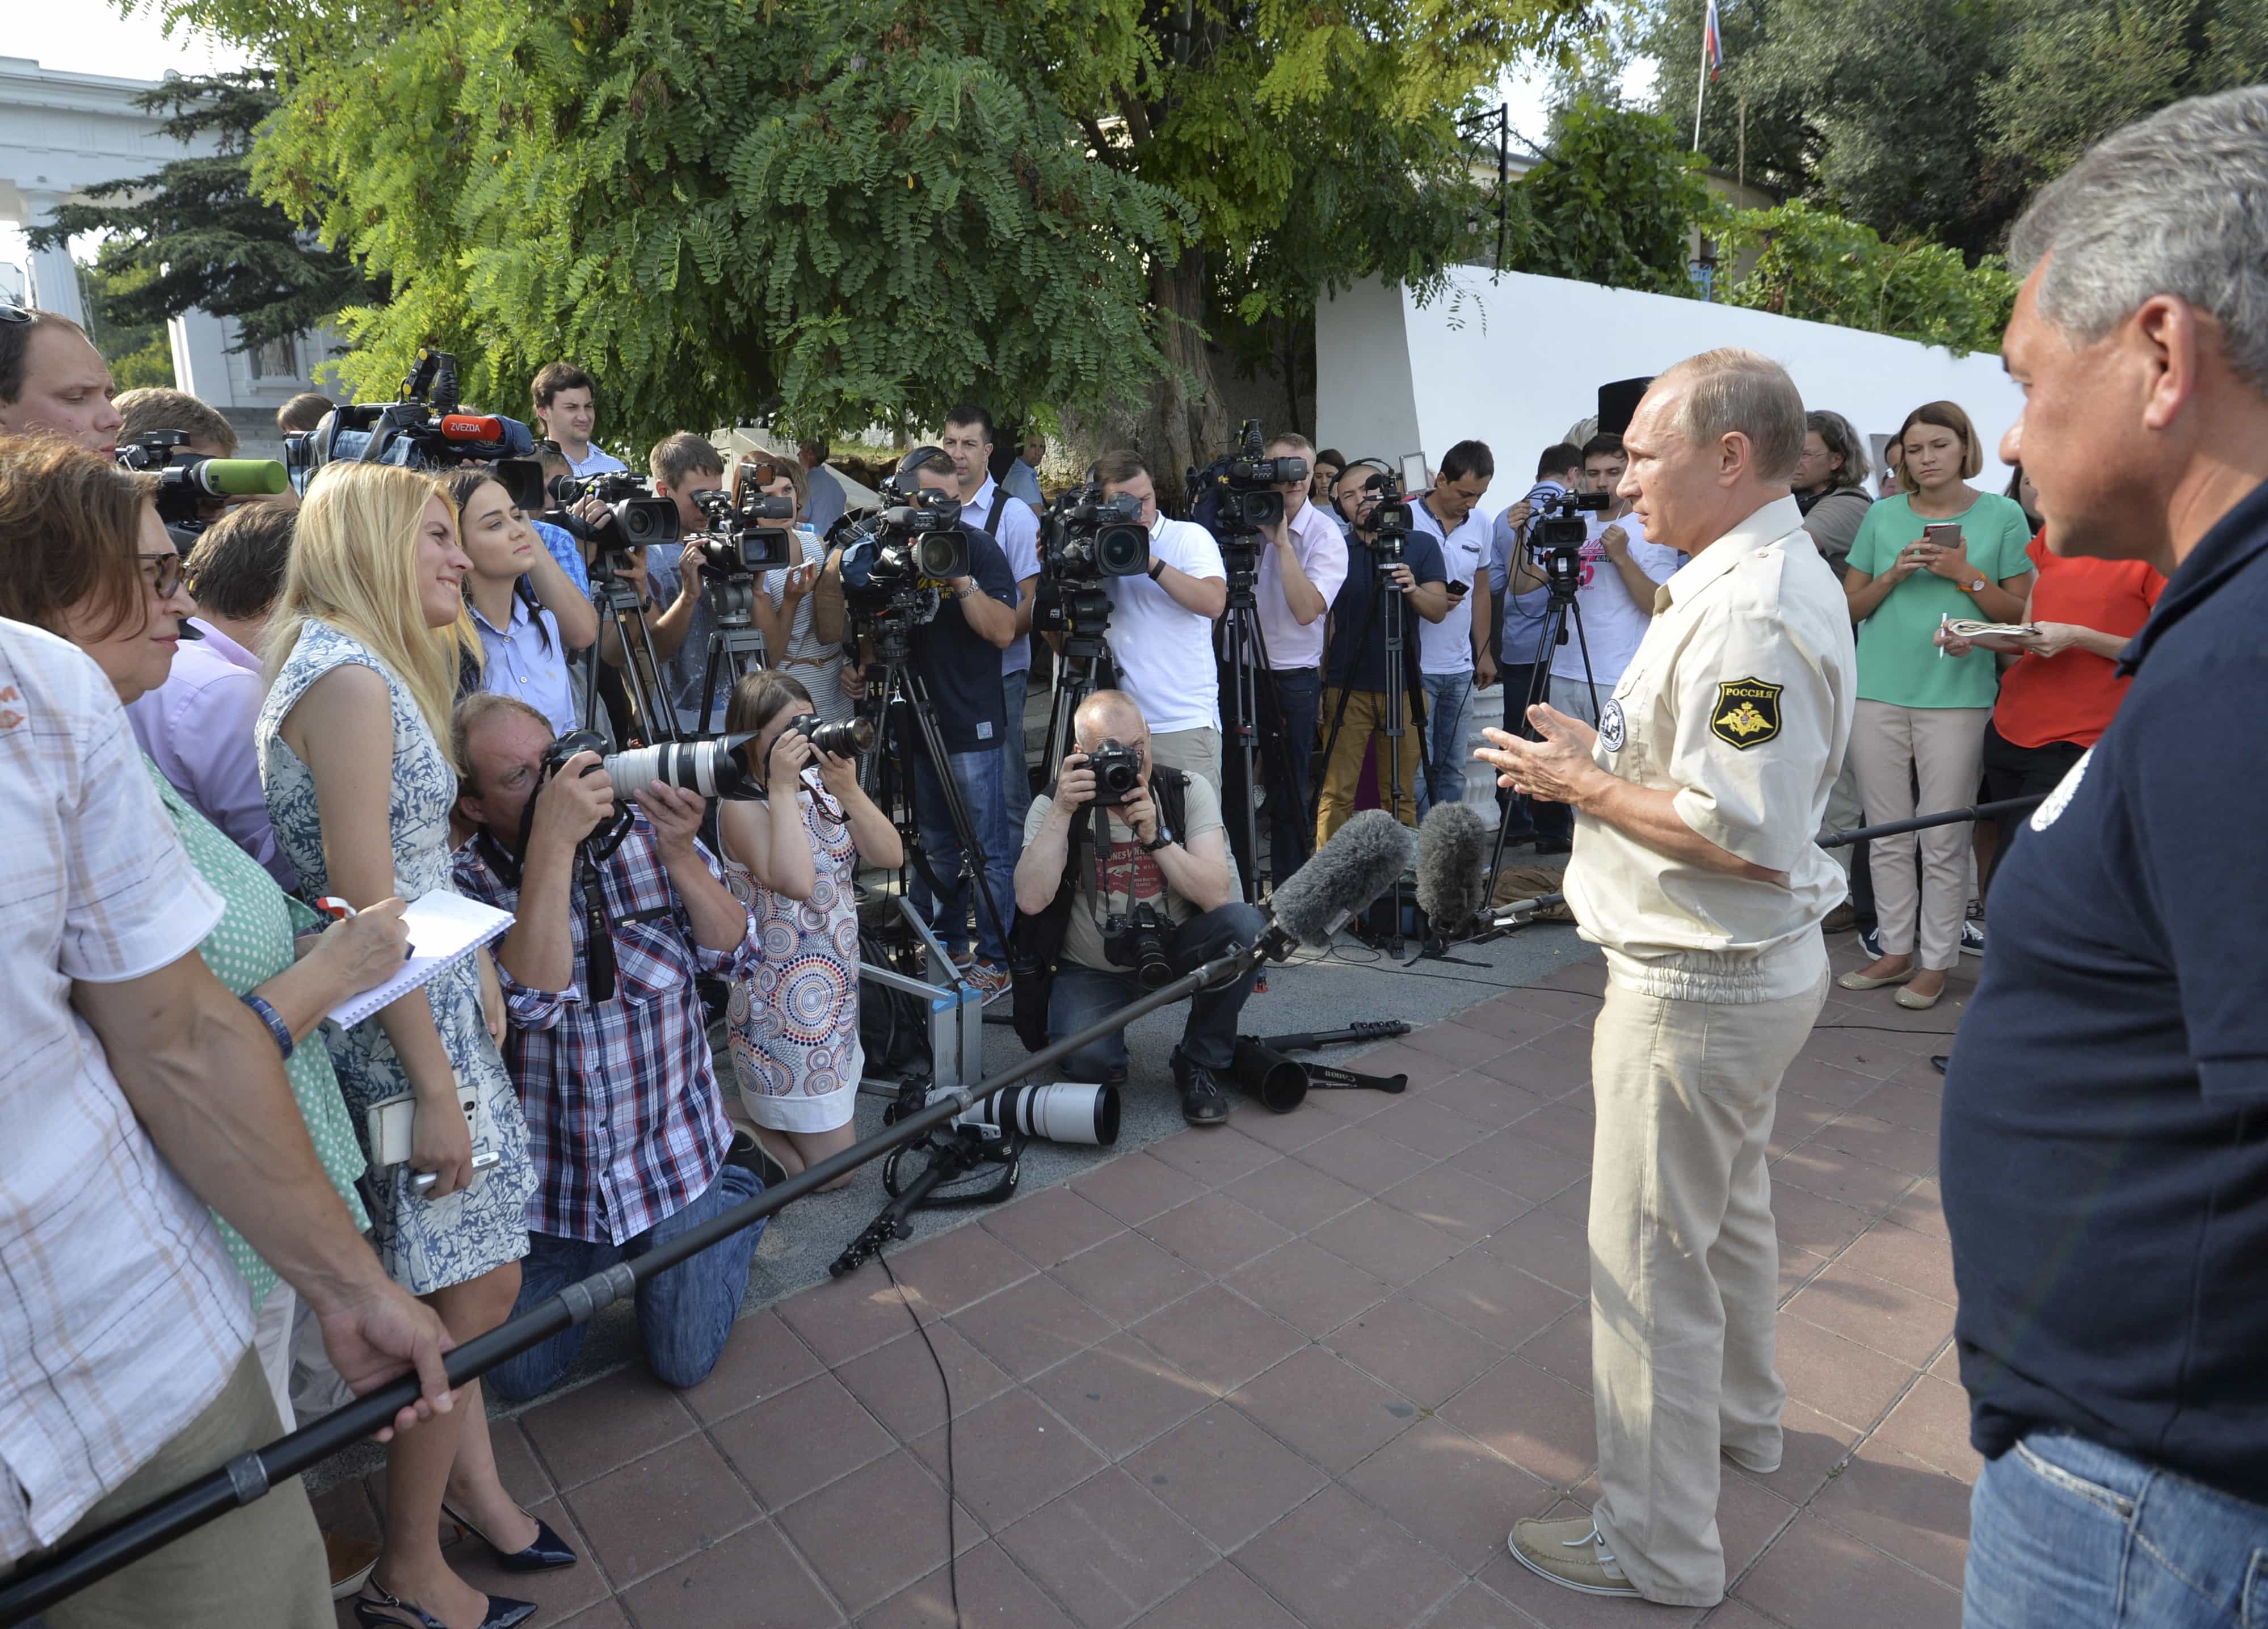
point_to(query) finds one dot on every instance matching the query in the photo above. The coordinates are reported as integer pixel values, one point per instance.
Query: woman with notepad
(1938, 549)
(362, 657)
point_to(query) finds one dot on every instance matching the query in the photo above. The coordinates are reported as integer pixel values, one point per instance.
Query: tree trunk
(1187, 427)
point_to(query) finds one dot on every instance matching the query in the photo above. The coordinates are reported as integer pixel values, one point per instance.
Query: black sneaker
(1203, 1102)
(750, 1155)
(1115, 1075)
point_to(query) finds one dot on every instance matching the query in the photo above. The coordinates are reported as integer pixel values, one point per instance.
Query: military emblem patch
(1747, 713)
(1611, 726)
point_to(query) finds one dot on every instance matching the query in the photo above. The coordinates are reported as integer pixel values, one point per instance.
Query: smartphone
(1947, 535)
(1458, 590)
(1414, 478)
(484, 1162)
(391, 1124)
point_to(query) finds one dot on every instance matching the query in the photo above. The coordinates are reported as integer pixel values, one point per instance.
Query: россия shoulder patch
(1747, 713)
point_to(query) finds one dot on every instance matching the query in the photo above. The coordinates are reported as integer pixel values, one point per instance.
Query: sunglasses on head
(12, 313)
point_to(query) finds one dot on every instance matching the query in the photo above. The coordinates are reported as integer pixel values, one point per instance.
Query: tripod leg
(974, 851)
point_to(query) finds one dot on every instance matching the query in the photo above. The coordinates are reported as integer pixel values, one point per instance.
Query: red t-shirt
(2072, 696)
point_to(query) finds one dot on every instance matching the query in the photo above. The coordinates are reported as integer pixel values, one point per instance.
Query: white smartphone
(1414, 476)
(392, 1125)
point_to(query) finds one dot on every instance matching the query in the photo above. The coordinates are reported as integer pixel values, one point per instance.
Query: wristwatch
(1157, 843)
(1977, 587)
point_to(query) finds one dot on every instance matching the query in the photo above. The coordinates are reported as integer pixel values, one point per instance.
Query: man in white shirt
(1453, 654)
(133, 1086)
(1302, 563)
(1162, 627)
(989, 507)
(566, 408)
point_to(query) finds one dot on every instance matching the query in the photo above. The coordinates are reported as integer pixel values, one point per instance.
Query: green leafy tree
(840, 212)
(193, 233)
(139, 353)
(1824, 268)
(1615, 201)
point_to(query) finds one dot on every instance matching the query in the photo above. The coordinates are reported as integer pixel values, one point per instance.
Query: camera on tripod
(1243, 485)
(894, 560)
(1086, 537)
(1557, 533)
(424, 431)
(739, 540)
(639, 517)
(187, 480)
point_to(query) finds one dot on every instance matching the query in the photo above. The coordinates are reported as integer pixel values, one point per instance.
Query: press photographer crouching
(626, 1126)
(1125, 883)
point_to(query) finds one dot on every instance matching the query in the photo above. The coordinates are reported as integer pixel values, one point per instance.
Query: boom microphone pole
(1922, 822)
(1362, 860)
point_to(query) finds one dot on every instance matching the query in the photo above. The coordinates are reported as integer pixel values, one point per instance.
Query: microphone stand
(251, 1475)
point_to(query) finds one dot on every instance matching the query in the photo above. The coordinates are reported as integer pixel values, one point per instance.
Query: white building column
(55, 280)
(200, 342)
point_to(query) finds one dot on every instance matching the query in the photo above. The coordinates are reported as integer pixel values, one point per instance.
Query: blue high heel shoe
(378, 1610)
(549, 1549)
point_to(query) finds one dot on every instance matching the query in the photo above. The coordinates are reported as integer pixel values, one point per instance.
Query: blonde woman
(363, 650)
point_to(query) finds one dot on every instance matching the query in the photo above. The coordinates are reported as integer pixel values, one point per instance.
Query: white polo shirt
(1447, 647)
(1164, 650)
(1320, 549)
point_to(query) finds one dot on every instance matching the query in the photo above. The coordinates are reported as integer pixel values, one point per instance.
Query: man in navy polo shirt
(2105, 1140)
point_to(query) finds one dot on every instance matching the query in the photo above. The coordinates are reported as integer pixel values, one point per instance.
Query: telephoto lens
(846, 740)
(714, 769)
(1070, 1111)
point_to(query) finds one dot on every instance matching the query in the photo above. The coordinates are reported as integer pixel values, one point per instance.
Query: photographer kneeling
(625, 1124)
(1165, 882)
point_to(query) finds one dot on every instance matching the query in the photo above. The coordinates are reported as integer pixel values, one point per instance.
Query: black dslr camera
(1242, 485)
(1138, 940)
(1117, 773)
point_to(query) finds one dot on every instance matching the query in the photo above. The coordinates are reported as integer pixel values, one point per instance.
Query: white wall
(1513, 360)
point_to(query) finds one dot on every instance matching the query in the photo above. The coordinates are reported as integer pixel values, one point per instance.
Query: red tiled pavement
(1301, 1372)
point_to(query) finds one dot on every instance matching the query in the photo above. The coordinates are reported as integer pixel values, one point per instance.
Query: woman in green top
(1921, 713)
(251, 949)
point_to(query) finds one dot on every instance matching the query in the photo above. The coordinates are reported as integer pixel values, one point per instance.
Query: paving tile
(1828, 1083)
(1224, 1475)
(1796, 1120)
(993, 1591)
(1806, 1221)
(1029, 1326)
(1346, 1105)
(1427, 1126)
(1749, 1518)
(1931, 1424)
(1337, 1563)
(761, 1358)
(1909, 1106)
(1546, 1245)
(750, 1579)
(1449, 1490)
(604, 1426)
(1108, 1550)
(1874, 1312)
(1587, 977)
(1009, 1457)
(656, 1511)
(1423, 1067)
(1554, 1607)
(1565, 1349)
(800, 1441)
(876, 1530)
(1223, 1598)
(1215, 1234)
(1921, 1075)
(1845, 1178)
(1050, 1226)
(1478, 1607)
(1554, 1063)
(1860, 1052)
(1360, 1157)
(1817, 1577)
(1460, 1204)
(1574, 1204)
(1385, 1244)
(1568, 1125)
(1500, 1304)
(1922, 1210)
(1512, 1016)
(1948, 1366)
(845, 1317)
(1897, 1504)
(1294, 1196)
(1464, 1047)
(1731, 1613)
(605, 1615)
(1797, 1268)
(1327, 1409)
(1134, 1187)
(1308, 1288)
(556, 1592)
(947, 1273)
(1121, 1395)
(1534, 1420)
(1282, 1132)
(344, 1508)
(1487, 1099)
(1214, 1155)
(1840, 1378)
(1126, 1278)
(1894, 1147)
(898, 1384)
(1513, 1160)
(1415, 1350)
(1811, 1445)
(1216, 1339)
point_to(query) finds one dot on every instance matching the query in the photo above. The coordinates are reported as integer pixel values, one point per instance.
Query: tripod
(1244, 652)
(732, 643)
(1084, 666)
(617, 604)
(896, 693)
(1387, 604)
(1562, 575)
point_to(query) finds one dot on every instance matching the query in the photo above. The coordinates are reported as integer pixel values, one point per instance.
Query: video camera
(894, 559)
(187, 481)
(1241, 485)
(1086, 537)
(1391, 520)
(424, 431)
(1556, 533)
(738, 541)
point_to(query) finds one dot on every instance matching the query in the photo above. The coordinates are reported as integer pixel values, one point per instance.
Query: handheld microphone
(234, 478)
(1364, 858)
(1453, 858)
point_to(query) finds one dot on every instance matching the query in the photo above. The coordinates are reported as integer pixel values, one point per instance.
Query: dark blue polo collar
(2236, 540)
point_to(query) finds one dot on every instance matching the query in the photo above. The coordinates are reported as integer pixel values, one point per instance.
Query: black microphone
(1452, 856)
(1365, 857)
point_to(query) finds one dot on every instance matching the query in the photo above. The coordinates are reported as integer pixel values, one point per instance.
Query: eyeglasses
(162, 572)
(10, 313)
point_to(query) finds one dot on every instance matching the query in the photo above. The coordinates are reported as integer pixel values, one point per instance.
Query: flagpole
(1701, 94)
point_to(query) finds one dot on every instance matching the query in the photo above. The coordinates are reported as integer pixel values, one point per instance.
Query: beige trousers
(1943, 749)
(1193, 752)
(1684, 1272)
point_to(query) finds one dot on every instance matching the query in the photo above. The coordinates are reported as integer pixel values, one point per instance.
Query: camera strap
(1000, 496)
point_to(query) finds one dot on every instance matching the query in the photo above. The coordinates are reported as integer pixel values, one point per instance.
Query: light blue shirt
(561, 542)
(827, 501)
(599, 462)
(1523, 614)
(1022, 481)
(526, 661)
(1019, 537)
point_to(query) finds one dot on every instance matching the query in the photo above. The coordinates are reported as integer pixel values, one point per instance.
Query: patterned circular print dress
(426, 1245)
(795, 1026)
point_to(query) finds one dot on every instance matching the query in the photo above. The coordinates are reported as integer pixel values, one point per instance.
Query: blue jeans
(1015, 774)
(1518, 811)
(1448, 721)
(979, 776)
(1084, 994)
(1285, 747)
(684, 1314)
(2068, 1534)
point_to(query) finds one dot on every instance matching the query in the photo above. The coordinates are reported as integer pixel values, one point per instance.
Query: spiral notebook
(445, 928)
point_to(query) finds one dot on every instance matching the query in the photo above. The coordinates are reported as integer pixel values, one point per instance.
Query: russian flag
(1712, 44)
